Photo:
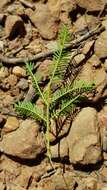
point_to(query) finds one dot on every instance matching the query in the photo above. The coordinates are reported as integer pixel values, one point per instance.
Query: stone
(84, 138)
(87, 47)
(15, 9)
(24, 177)
(65, 19)
(94, 61)
(103, 119)
(2, 186)
(91, 5)
(60, 150)
(20, 174)
(3, 72)
(12, 80)
(16, 92)
(68, 5)
(44, 21)
(104, 23)
(8, 100)
(3, 3)
(19, 71)
(5, 85)
(92, 183)
(105, 108)
(97, 75)
(14, 26)
(23, 84)
(86, 73)
(105, 65)
(27, 135)
(58, 6)
(103, 173)
(54, 7)
(14, 44)
(79, 58)
(58, 182)
(104, 186)
(15, 187)
(105, 157)
(100, 46)
(82, 22)
(13, 168)
(11, 124)
(100, 79)
(35, 46)
(89, 183)
(1, 46)
(51, 45)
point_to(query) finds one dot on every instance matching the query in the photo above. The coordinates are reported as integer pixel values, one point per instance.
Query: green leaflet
(78, 87)
(29, 109)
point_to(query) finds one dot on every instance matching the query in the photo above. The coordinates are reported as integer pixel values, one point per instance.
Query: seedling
(56, 102)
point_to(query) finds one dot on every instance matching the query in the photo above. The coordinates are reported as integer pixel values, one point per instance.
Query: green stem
(47, 135)
(48, 126)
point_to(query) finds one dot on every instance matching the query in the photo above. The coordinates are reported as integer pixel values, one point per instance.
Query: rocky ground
(28, 31)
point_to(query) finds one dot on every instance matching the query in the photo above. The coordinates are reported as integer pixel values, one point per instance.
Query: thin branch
(73, 44)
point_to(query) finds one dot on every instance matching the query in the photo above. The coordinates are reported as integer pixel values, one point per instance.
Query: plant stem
(48, 136)
(49, 101)
(48, 125)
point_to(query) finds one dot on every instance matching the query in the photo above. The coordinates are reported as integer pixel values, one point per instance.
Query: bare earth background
(28, 31)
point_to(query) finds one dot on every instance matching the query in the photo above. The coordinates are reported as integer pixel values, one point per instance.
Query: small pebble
(105, 65)
(23, 84)
(79, 58)
(87, 47)
(19, 71)
(3, 72)
(12, 80)
(11, 124)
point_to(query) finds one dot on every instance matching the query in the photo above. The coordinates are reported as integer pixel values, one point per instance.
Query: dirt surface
(28, 32)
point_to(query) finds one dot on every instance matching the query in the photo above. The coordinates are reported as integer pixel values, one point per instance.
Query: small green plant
(56, 102)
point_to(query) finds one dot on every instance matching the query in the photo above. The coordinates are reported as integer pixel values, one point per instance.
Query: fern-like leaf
(62, 65)
(61, 56)
(29, 109)
(68, 97)
(67, 106)
(64, 36)
(72, 90)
